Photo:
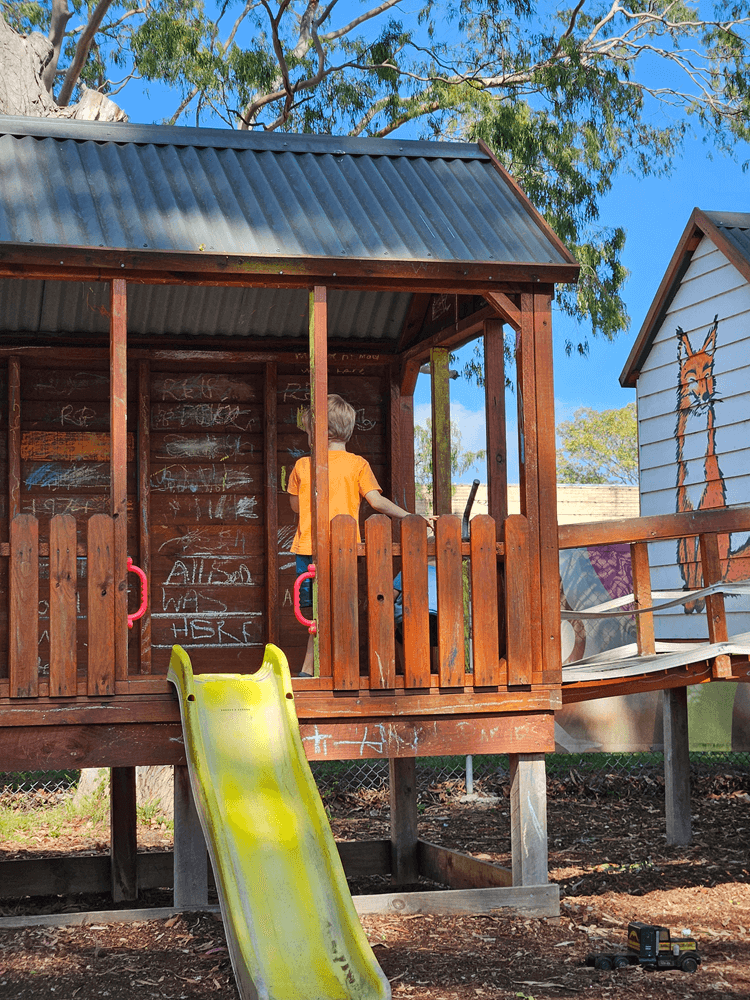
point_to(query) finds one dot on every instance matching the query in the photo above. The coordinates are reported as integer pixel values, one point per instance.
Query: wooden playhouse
(171, 298)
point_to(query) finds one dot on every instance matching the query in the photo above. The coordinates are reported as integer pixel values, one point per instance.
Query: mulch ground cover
(608, 854)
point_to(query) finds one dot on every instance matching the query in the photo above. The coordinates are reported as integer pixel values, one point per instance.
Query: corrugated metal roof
(181, 190)
(735, 226)
(82, 308)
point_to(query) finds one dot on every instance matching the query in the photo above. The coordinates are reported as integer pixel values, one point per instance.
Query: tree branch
(82, 51)
(59, 17)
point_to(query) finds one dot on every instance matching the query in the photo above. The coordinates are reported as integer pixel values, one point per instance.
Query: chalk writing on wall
(223, 508)
(241, 630)
(76, 416)
(201, 386)
(63, 476)
(217, 446)
(199, 478)
(233, 415)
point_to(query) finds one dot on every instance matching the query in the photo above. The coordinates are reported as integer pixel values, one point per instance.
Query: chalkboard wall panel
(207, 535)
(44, 506)
(50, 383)
(54, 415)
(214, 477)
(206, 387)
(207, 508)
(202, 416)
(213, 445)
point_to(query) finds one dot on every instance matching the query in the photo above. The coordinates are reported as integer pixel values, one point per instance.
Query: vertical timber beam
(441, 431)
(320, 519)
(403, 791)
(270, 443)
(497, 451)
(403, 770)
(549, 557)
(401, 444)
(676, 766)
(538, 474)
(190, 857)
(528, 818)
(494, 388)
(527, 461)
(14, 438)
(144, 501)
(122, 834)
(118, 415)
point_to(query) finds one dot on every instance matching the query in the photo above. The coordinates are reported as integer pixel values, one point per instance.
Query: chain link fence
(590, 774)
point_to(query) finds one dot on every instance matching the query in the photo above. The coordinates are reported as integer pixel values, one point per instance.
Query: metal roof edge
(530, 208)
(260, 141)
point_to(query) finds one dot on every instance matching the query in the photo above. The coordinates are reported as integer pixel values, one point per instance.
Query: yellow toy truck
(652, 947)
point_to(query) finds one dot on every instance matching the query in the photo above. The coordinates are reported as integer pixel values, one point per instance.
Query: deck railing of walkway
(706, 530)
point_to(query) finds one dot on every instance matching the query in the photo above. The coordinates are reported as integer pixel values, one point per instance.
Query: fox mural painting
(695, 434)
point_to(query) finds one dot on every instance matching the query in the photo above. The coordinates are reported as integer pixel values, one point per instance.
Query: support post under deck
(190, 858)
(676, 766)
(528, 818)
(403, 782)
(123, 834)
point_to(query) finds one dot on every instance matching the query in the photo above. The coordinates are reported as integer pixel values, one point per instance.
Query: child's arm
(382, 505)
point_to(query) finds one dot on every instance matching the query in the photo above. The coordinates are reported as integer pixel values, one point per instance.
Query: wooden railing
(25, 552)
(472, 614)
(709, 528)
(483, 623)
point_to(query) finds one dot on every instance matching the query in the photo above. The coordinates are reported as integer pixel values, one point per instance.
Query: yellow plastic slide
(291, 926)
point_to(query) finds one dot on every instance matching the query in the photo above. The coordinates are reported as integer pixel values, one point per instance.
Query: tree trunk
(154, 787)
(23, 59)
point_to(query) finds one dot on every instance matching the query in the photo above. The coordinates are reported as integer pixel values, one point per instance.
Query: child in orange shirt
(349, 479)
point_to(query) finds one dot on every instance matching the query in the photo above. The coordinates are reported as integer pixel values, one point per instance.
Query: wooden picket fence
(62, 551)
(470, 604)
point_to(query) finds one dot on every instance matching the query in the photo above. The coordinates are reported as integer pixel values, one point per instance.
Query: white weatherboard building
(690, 365)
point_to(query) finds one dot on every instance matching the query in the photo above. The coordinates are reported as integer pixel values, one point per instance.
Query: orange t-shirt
(349, 479)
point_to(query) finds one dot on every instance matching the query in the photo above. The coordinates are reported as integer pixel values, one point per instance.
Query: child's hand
(431, 520)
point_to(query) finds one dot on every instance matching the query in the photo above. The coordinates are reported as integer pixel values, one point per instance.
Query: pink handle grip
(144, 593)
(311, 626)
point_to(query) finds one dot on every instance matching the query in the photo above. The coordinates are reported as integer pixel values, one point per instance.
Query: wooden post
(118, 413)
(122, 829)
(527, 464)
(144, 501)
(14, 437)
(401, 445)
(494, 390)
(549, 671)
(676, 766)
(528, 818)
(404, 859)
(716, 618)
(497, 452)
(319, 462)
(190, 857)
(644, 624)
(441, 431)
(270, 460)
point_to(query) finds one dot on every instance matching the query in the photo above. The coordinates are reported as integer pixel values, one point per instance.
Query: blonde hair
(341, 418)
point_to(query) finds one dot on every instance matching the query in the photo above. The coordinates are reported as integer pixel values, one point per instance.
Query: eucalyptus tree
(567, 98)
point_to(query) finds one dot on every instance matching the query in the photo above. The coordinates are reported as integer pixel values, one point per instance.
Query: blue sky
(654, 212)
